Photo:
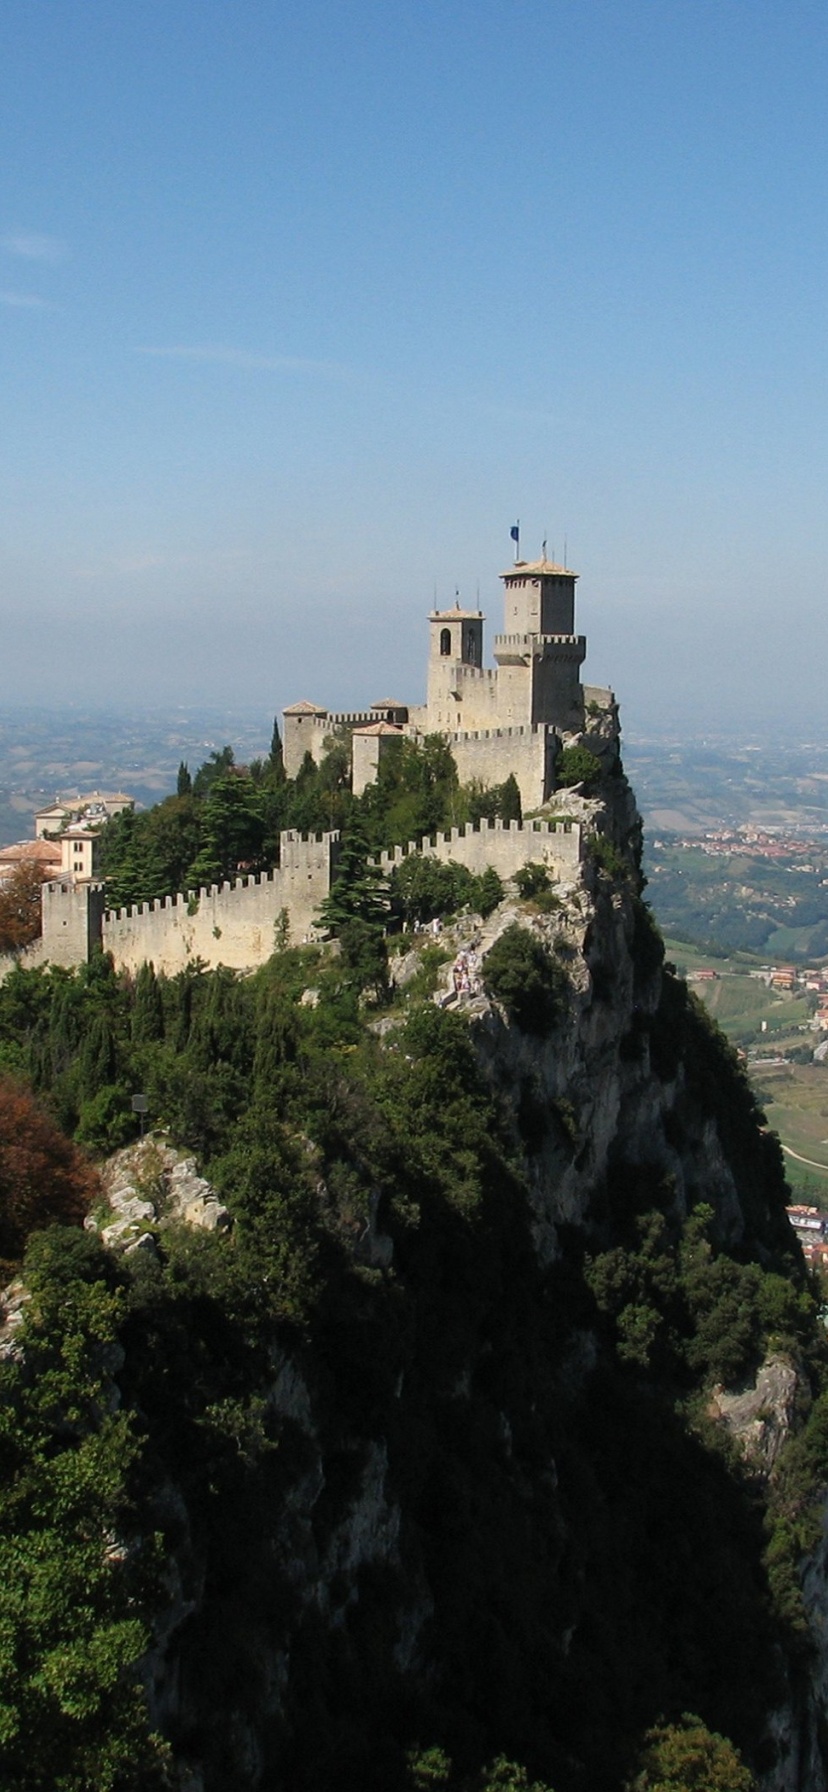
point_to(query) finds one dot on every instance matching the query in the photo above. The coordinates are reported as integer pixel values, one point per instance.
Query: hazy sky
(303, 304)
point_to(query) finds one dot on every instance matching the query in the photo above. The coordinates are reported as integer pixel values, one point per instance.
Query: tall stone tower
(455, 648)
(539, 656)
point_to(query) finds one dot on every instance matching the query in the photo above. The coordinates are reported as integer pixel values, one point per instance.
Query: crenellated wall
(241, 924)
(491, 754)
(235, 924)
(505, 845)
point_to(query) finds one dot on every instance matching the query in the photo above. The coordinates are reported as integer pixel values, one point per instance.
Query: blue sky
(302, 305)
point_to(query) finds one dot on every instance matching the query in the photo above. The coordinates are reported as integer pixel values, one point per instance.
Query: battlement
(523, 729)
(504, 845)
(531, 643)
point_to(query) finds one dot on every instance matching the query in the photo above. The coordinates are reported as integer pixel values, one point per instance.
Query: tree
(184, 784)
(365, 955)
(510, 804)
(359, 888)
(577, 765)
(277, 757)
(687, 1757)
(77, 1582)
(43, 1176)
(20, 906)
(521, 973)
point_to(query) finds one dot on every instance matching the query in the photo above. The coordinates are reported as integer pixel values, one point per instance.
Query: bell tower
(455, 645)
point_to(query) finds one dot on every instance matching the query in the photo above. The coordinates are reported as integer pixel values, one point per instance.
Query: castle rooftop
(456, 615)
(304, 708)
(537, 569)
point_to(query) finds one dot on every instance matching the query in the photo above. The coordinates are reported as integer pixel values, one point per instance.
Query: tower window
(445, 642)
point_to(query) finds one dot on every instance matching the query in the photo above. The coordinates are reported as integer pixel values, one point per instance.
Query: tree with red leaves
(43, 1176)
(20, 906)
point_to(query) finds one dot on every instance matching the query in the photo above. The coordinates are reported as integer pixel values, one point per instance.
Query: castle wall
(308, 734)
(230, 924)
(489, 755)
(505, 845)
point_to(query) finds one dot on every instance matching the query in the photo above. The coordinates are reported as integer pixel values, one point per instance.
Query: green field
(795, 1095)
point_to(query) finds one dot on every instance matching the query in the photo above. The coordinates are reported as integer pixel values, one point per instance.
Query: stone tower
(455, 648)
(539, 656)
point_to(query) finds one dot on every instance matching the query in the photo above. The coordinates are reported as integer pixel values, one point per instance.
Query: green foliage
(577, 765)
(422, 888)
(359, 891)
(606, 857)
(687, 1757)
(364, 956)
(531, 880)
(521, 973)
(77, 1583)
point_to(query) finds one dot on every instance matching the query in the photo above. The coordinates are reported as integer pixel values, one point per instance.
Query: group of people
(465, 973)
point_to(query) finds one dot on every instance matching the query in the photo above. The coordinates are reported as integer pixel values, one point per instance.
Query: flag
(515, 532)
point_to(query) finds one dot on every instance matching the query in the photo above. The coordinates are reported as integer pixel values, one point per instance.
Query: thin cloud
(33, 246)
(25, 301)
(220, 356)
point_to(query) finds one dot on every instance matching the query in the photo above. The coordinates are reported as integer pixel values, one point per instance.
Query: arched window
(445, 642)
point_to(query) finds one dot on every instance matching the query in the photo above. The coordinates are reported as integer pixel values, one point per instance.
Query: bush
(531, 880)
(521, 973)
(577, 765)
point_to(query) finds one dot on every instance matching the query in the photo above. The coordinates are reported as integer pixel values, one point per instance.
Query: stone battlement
(505, 845)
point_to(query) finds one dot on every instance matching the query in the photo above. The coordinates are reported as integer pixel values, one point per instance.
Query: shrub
(521, 973)
(577, 765)
(531, 880)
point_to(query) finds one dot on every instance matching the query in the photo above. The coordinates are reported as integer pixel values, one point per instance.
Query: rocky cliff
(494, 1426)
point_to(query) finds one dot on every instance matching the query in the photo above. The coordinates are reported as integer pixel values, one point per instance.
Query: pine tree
(510, 805)
(184, 785)
(277, 757)
(148, 1010)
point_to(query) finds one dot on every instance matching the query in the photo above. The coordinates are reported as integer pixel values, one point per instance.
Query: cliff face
(481, 1498)
(478, 1406)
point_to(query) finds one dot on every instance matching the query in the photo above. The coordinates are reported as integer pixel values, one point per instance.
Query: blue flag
(515, 532)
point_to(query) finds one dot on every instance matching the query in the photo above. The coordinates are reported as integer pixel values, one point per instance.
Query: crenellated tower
(539, 656)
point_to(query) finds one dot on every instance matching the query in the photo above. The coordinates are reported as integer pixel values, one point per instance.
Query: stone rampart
(234, 924)
(240, 924)
(491, 754)
(505, 845)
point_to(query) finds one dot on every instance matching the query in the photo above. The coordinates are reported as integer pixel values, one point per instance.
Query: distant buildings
(66, 837)
(811, 1227)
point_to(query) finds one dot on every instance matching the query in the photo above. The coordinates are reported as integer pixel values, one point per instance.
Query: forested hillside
(422, 1471)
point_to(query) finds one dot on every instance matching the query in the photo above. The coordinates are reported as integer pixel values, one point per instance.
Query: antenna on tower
(543, 548)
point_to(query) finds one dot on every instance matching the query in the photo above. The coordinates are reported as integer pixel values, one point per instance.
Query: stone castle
(507, 718)
(511, 718)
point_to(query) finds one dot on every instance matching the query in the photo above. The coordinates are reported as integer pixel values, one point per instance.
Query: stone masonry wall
(240, 924)
(491, 754)
(505, 845)
(230, 924)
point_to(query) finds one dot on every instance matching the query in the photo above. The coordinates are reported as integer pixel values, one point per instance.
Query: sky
(303, 305)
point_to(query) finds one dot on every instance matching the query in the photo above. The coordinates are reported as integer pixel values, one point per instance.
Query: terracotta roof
(532, 568)
(389, 703)
(45, 852)
(304, 708)
(379, 728)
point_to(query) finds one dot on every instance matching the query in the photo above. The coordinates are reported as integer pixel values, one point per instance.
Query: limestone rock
(760, 1417)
